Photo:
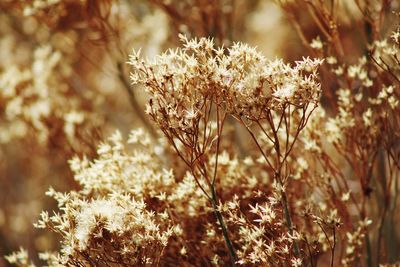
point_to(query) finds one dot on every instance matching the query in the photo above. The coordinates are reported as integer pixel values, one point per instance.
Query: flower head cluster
(108, 220)
(239, 78)
(127, 209)
(38, 95)
(114, 228)
(19, 257)
(355, 241)
(262, 234)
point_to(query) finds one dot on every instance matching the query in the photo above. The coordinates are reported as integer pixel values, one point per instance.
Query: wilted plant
(245, 160)
(190, 87)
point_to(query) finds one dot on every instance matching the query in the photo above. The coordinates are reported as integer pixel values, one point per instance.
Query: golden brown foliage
(235, 159)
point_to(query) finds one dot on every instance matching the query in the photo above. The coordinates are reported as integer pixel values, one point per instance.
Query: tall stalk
(220, 219)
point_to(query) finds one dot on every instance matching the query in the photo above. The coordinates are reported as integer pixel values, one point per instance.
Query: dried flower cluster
(235, 159)
(30, 102)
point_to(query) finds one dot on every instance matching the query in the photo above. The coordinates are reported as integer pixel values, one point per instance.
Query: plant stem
(369, 253)
(223, 226)
(289, 222)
